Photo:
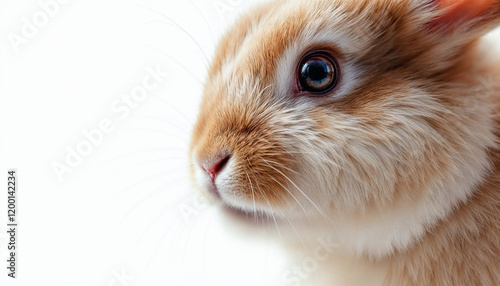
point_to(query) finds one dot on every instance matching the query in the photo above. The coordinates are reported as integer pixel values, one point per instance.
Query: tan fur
(400, 162)
(461, 250)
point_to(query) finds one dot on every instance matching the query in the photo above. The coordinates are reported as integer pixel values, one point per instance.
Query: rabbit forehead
(256, 43)
(259, 41)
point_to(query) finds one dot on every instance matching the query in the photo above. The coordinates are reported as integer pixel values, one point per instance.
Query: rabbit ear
(467, 15)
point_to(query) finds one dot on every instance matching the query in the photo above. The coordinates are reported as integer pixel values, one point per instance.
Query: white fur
(329, 188)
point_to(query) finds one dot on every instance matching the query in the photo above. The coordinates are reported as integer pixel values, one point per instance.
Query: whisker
(269, 204)
(253, 193)
(282, 166)
(108, 173)
(184, 139)
(131, 186)
(305, 212)
(155, 251)
(151, 224)
(156, 191)
(295, 231)
(205, 247)
(282, 215)
(168, 122)
(175, 24)
(128, 155)
(265, 197)
(176, 61)
(189, 121)
(317, 208)
(204, 20)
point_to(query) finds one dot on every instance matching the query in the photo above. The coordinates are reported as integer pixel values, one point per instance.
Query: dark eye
(318, 73)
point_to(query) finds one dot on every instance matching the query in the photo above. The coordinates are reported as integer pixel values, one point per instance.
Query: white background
(125, 214)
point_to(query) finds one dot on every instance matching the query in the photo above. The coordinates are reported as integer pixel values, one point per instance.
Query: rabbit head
(371, 116)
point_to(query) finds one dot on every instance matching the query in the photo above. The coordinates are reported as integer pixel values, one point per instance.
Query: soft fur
(400, 163)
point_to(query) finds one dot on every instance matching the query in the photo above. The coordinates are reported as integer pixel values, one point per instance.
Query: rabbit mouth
(239, 197)
(213, 190)
(253, 182)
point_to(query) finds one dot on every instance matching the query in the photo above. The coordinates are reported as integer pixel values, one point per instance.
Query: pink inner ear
(460, 11)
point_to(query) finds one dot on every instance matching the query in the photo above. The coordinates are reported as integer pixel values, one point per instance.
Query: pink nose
(214, 168)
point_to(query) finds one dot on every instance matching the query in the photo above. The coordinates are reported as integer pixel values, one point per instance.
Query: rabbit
(374, 121)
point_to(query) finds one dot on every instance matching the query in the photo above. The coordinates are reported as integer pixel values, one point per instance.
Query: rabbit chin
(375, 233)
(369, 230)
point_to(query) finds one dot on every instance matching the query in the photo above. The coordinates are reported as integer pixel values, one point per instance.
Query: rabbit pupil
(317, 74)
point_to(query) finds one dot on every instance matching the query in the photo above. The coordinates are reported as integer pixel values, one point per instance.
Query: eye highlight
(317, 73)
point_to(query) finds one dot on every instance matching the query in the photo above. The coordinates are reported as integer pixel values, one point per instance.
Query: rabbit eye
(318, 73)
